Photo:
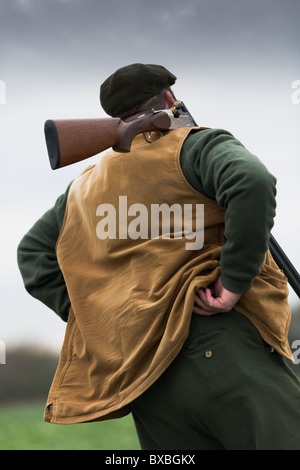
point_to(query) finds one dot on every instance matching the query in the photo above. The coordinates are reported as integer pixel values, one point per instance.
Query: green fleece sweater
(215, 164)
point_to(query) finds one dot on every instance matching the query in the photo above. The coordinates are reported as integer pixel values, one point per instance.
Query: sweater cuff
(236, 285)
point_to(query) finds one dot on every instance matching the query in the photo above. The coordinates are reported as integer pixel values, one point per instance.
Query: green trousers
(227, 389)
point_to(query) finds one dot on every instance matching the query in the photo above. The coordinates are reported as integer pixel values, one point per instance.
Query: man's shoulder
(199, 138)
(199, 133)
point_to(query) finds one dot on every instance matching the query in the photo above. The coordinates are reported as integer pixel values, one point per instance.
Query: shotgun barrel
(285, 264)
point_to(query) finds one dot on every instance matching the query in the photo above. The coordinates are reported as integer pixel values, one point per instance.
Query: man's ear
(169, 99)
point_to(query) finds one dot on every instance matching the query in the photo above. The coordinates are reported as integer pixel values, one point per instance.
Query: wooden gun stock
(72, 140)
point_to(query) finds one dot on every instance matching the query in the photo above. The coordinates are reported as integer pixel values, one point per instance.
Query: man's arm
(38, 263)
(220, 167)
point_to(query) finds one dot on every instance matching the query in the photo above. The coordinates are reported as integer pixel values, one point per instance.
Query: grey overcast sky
(236, 62)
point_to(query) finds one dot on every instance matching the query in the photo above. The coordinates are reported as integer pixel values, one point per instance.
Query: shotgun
(72, 140)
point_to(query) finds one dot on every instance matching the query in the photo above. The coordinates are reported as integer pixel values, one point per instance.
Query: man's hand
(215, 300)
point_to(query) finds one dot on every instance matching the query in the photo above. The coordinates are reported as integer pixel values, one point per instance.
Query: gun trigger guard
(147, 136)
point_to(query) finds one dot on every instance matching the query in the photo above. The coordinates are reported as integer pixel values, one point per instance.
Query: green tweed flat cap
(132, 85)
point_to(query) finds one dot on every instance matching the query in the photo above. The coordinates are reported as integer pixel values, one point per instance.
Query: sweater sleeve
(220, 167)
(38, 264)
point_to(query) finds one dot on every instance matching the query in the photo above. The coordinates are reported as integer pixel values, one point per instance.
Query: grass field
(22, 428)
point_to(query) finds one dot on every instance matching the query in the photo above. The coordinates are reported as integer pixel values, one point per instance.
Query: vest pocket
(203, 340)
(273, 275)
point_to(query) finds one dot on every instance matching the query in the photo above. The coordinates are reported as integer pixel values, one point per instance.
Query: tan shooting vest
(132, 299)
